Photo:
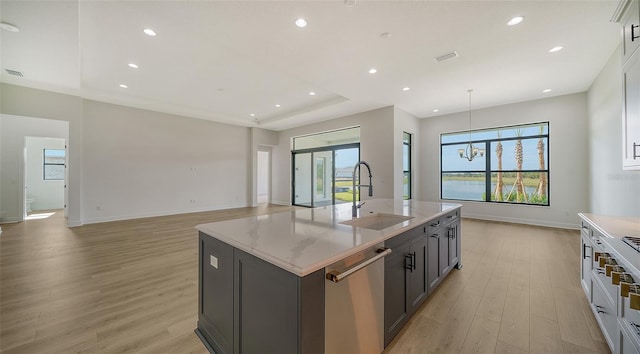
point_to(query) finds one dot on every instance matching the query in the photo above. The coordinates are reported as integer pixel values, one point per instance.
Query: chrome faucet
(354, 209)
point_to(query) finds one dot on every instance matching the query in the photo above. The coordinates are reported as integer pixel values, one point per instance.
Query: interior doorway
(44, 175)
(263, 193)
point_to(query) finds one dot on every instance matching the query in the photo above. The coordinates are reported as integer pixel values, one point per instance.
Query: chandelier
(470, 151)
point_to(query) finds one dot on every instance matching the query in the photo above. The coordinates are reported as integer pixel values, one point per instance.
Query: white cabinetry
(628, 14)
(610, 277)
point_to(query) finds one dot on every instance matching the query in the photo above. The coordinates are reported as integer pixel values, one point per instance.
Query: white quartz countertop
(613, 226)
(302, 241)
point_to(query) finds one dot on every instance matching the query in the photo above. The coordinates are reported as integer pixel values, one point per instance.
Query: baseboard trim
(534, 222)
(97, 220)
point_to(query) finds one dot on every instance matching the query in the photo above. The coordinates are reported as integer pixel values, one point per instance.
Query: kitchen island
(610, 277)
(262, 279)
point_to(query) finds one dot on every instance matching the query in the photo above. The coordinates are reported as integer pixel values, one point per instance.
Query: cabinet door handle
(584, 251)
(636, 327)
(413, 261)
(633, 35)
(635, 147)
(599, 309)
(409, 266)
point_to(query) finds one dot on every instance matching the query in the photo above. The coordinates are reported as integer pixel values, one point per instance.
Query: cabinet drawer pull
(633, 35)
(636, 327)
(435, 224)
(435, 236)
(599, 309)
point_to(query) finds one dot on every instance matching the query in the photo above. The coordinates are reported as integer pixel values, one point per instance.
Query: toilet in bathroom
(29, 201)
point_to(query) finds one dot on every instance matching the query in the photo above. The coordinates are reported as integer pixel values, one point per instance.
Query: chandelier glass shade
(470, 151)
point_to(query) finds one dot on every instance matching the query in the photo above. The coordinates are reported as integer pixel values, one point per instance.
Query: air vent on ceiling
(446, 56)
(14, 72)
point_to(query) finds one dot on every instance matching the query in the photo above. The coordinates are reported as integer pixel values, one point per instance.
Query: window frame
(45, 164)
(488, 171)
(408, 143)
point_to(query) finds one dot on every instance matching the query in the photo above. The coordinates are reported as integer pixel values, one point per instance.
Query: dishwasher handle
(336, 276)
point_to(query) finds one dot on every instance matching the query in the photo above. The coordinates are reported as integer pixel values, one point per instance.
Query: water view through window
(511, 165)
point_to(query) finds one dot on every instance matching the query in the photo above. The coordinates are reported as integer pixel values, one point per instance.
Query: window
(53, 166)
(406, 165)
(511, 165)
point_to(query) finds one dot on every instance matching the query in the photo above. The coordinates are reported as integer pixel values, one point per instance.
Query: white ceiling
(222, 61)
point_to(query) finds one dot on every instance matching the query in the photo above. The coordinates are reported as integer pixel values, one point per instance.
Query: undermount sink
(377, 221)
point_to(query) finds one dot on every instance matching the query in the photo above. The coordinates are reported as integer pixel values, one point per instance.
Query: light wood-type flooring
(131, 286)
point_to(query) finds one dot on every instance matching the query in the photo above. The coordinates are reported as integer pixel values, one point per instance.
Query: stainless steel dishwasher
(354, 303)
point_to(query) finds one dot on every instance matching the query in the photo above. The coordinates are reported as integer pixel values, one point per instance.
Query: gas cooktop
(634, 242)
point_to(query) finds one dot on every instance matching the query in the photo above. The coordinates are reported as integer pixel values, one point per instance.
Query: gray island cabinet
(263, 279)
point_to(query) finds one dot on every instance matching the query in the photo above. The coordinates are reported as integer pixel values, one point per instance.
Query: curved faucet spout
(354, 208)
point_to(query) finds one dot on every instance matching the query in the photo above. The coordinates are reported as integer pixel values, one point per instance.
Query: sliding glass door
(322, 176)
(302, 179)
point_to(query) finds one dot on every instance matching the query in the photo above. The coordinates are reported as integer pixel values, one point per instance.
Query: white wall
(613, 191)
(376, 147)
(568, 160)
(46, 194)
(140, 163)
(27, 102)
(14, 131)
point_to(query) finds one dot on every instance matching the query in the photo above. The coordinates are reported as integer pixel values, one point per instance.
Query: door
(345, 159)
(302, 179)
(418, 285)
(322, 178)
(585, 269)
(263, 177)
(452, 234)
(396, 308)
(433, 260)
(631, 112)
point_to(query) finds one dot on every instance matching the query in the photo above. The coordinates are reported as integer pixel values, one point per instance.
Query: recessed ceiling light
(252, 114)
(149, 32)
(373, 71)
(406, 89)
(546, 90)
(124, 86)
(436, 110)
(514, 21)
(277, 106)
(132, 65)
(312, 93)
(9, 27)
(385, 35)
(555, 49)
(301, 22)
